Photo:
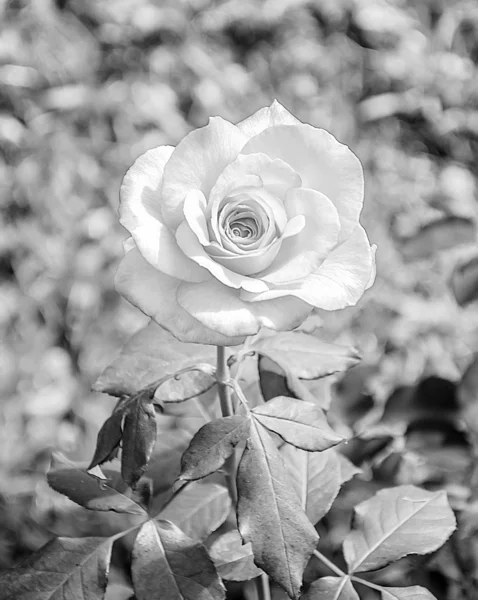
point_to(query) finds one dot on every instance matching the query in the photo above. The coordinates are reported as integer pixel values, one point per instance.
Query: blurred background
(88, 85)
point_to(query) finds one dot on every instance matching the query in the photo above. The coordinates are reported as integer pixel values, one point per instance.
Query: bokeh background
(88, 85)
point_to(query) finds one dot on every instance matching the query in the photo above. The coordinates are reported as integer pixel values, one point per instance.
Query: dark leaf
(212, 445)
(316, 477)
(234, 560)
(164, 465)
(396, 522)
(464, 282)
(299, 423)
(89, 491)
(415, 592)
(139, 438)
(351, 399)
(468, 399)
(109, 438)
(269, 514)
(151, 354)
(167, 564)
(306, 356)
(66, 568)
(441, 234)
(331, 588)
(198, 509)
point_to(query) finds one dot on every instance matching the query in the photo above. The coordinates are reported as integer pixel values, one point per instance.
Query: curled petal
(323, 163)
(155, 294)
(196, 163)
(220, 308)
(302, 254)
(340, 281)
(140, 213)
(272, 115)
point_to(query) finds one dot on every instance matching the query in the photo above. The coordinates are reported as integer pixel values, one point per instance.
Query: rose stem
(222, 377)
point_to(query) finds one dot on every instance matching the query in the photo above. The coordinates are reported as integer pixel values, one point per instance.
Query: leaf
(109, 438)
(234, 560)
(331, 588)
(396, 522)
(438, 235)
(347, 468)
(139, 438)
(269, 514)
(415, 592)
(66, 568)
(464, 282)
(302, 424)
(166, 563)
(316, 477)
(306, 356)
(198, 509)
(151, 354)
(212, 445)
(88, 491)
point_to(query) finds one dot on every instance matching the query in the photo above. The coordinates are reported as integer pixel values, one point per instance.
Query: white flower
(243, 226)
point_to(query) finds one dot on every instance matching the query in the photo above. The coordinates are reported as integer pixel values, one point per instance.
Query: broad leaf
(66, 568)
(198, 509)
(151, 354)
(89, 491)
(139, 438)
(331, 588)
(109, 438)
(212, 445)
(269, 514)
(302, 424)
(415, 592)
(164, 465)
(166, 563)
(464, 281)
(395, 522)
(234, 560)
(316, 477)
(306, 356)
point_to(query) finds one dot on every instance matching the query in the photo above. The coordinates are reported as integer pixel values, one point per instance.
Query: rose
(243, 226)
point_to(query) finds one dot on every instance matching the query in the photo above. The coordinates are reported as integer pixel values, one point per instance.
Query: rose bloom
(243, 226)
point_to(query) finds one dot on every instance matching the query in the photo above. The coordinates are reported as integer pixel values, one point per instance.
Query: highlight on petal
(302, 254)
(140, 213)
(323, 163)
(272, 115)
(340, 281)
(220, 308)
(196, 163)
(155, 294)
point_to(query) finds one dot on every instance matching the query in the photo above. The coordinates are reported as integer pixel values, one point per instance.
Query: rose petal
(340, 281)
(155, 294)
(303, 254)
(220, 307)
(140, 213)
(275, 114)
(323, 163)
(196, 163)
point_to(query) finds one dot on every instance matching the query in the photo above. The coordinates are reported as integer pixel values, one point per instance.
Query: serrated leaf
(234, 560)
(109, 438)
(306, 356)
(316, 477)
(269, 514)
(151, 354)
(331, 588)
(198, 509)
(212, 445)
(139, 438)
(89, 491)
(414, 592)
(66, 568)
(396, 522)
(438, 235)
(166, 563)
(302, 424)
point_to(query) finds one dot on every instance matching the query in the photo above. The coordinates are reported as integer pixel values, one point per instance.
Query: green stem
(222, 377)
(369, 584)
(263, 587)
(328, 563)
